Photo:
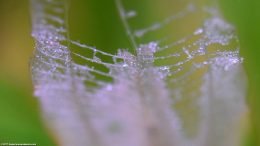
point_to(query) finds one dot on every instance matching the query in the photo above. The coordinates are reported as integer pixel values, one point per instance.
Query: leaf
(23, 125)
(164, 92)
(247, 24)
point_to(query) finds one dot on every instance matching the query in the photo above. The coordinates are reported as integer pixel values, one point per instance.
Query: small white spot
(130, 14)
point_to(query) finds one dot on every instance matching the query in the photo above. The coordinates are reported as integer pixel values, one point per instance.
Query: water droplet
(164, 71)
(125, 65)
(109, 87)
(156, 26)
(198, 31)
(94, 52)
(96, 59)
(114, 59)
(139, 33)
(130, 14)
(187, 53)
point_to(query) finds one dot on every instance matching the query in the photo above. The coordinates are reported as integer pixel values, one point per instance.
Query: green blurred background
(20, 120)
(19, 112)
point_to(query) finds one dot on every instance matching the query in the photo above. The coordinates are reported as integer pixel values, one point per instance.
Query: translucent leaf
(180, 82)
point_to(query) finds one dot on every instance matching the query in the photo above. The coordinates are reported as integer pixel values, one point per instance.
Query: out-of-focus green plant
(245, 15)
(20, 122)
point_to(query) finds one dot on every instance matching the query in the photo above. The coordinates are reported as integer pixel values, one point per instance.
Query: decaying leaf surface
(165, 92)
